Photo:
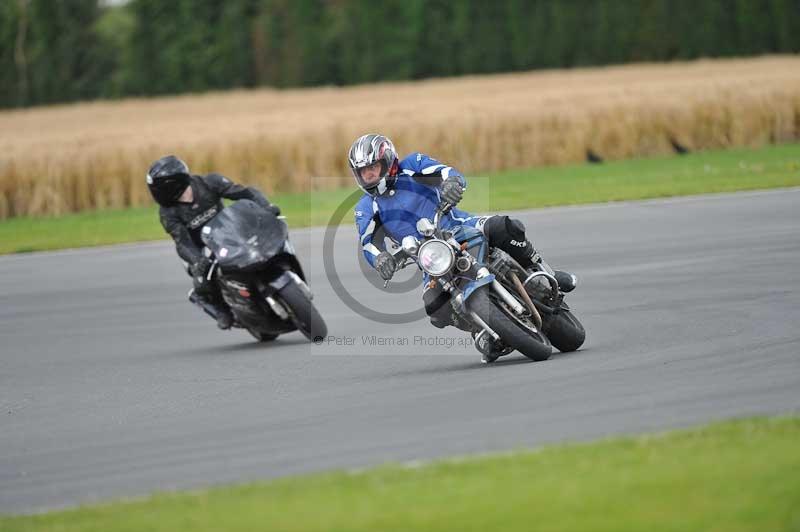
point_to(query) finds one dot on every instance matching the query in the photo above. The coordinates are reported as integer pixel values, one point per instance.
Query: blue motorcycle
(491, 293)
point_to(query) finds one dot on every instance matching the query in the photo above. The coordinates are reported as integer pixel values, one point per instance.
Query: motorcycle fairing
(282, 280)
(245, 236)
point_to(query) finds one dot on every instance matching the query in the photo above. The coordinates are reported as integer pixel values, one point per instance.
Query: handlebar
(440, 211)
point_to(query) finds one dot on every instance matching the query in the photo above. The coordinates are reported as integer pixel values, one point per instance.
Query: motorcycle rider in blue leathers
(398, 192)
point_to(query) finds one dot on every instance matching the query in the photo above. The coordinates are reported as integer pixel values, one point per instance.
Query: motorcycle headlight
(436, 257)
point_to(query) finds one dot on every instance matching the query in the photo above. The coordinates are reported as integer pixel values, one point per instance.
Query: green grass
(735, 476)
(722, 171)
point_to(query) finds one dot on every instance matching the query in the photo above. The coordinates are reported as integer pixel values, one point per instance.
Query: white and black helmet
(368, 150)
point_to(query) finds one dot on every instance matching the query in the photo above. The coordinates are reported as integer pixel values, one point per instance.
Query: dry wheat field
(94, 155)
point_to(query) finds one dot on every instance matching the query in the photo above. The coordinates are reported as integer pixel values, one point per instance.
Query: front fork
(271, 288)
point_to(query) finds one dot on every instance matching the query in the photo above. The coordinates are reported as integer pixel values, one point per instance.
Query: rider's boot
(566, 281)
(216, 309)
(441, 320)
(440, 310)
(487, 347)
(224, 318)
(509, 235)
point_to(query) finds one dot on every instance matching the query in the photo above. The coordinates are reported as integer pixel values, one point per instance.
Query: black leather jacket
(184, 221)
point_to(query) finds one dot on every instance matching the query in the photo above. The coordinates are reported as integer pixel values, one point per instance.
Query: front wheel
(522, 336)
(303, 313)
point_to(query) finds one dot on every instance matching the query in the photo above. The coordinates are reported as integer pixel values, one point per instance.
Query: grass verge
(699, 173)
(733, 476)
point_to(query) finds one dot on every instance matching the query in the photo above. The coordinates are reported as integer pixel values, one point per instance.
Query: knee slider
(515, 228)
(501, 229)
(495, 228)
(436, 302)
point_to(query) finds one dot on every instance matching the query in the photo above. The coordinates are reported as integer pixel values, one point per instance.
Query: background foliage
(66, 50)
(86, 156)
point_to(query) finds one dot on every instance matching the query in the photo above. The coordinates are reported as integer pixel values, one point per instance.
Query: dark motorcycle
(491, 293)
(259, 274)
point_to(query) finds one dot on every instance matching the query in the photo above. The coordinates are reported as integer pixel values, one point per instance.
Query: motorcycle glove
(386, 265)
(452, 191)
(200, 268)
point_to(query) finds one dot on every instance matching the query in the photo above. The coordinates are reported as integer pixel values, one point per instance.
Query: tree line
(65, 50)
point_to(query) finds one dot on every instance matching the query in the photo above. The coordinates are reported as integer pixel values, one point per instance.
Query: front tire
(303, 313)
(524, 338)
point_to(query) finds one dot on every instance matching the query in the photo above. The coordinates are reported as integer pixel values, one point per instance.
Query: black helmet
(167, 179)
(368, 150)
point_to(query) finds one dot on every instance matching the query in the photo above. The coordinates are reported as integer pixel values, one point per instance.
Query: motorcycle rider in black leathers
(187, 202)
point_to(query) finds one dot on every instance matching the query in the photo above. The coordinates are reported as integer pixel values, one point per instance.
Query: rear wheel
(514, 331)
(565, 331)
(303, 313)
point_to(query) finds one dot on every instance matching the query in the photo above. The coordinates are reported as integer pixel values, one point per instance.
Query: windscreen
(244, 236)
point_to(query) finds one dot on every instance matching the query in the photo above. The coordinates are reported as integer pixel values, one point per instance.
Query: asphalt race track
(113, 385)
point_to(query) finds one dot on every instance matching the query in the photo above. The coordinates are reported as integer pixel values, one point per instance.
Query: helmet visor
(370, 175)
(167, 190)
